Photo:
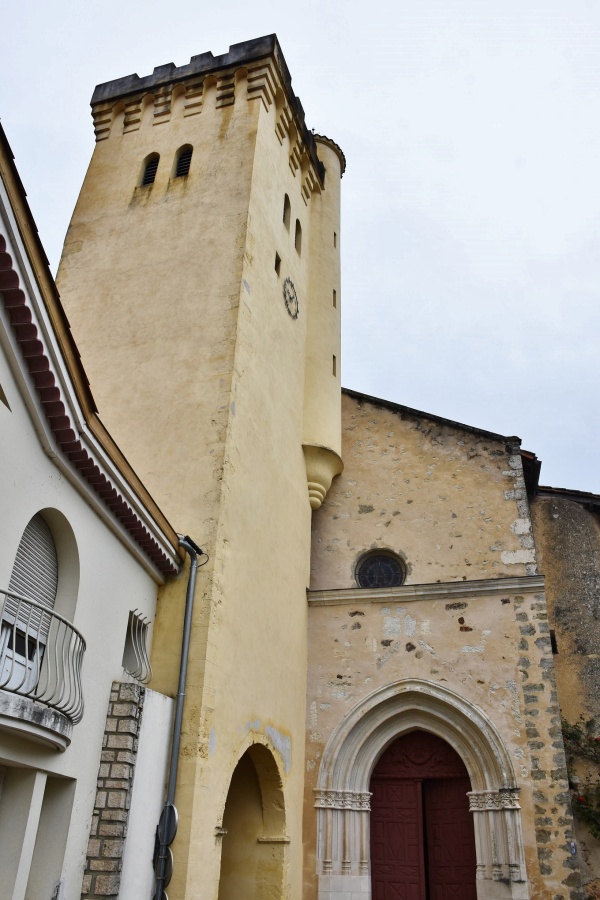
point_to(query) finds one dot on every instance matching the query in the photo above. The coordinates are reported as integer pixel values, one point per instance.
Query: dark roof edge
(397, 407)
(49, 283)
(238, 55)
(323, 139)
(584, 497)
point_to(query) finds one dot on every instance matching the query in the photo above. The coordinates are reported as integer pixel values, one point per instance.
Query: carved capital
(482, 801)
(356, 800)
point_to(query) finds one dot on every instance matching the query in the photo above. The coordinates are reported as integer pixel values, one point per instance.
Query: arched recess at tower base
(342, 796)
(253, 835)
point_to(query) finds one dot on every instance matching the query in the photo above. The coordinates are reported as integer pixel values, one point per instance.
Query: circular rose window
(380, 570)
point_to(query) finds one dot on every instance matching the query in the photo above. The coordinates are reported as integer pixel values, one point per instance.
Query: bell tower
(201, 277)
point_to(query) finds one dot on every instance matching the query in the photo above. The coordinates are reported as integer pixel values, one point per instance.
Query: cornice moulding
(525, 584)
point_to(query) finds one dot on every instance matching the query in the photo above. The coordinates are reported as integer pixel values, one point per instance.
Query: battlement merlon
(241, 54)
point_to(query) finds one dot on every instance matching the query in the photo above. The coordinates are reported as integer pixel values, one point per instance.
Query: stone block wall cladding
(115, 780)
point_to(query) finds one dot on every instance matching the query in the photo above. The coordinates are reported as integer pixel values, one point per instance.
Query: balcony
(41, 656)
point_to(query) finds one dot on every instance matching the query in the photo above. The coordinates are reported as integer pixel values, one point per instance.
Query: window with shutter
(150, 168)
(184, 160)
(25, 627)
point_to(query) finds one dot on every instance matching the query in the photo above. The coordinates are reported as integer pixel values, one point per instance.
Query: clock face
(290, 298)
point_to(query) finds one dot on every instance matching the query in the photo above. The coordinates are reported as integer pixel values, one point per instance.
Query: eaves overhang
(46, 364)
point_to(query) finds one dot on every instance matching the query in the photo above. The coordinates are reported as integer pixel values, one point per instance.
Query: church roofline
(408, 411)
(584, 498)
(204, 64)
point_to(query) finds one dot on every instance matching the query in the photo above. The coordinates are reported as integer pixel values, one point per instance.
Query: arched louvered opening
(35, 570)
(149, 169)
(298, 238)
(287, 212)
(184, 159)
(41, 652)
(25, 626)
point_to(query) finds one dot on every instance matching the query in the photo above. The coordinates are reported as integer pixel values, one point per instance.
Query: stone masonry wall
(115, 780)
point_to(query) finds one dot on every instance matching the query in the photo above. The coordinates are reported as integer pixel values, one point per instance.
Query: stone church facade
(394, 614)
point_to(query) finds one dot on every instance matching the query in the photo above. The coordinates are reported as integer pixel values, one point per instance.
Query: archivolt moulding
(348, 761)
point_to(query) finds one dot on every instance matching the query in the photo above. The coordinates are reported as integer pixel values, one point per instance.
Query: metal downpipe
(167, 826)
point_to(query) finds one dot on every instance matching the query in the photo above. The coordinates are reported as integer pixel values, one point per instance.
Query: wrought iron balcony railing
(41, 655)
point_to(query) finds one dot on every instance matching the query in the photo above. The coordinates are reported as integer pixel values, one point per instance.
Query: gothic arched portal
(343, 793)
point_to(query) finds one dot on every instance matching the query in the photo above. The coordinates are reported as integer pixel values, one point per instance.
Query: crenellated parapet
(253, 70)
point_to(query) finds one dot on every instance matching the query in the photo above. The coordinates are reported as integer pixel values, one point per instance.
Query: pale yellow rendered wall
(451, 503)
(175, 304)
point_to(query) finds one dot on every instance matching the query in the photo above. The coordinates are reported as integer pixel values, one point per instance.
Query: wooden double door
(422, 839)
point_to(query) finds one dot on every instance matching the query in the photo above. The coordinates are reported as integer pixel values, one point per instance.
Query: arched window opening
(287, 212)
(184, 159)
(149, 169)
(25, 626)
(298, 238)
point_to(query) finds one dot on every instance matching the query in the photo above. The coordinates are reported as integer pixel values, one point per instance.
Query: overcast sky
(470, 220)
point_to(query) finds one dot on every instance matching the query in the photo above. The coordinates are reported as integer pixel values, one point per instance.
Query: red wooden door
(449, 839)
(397, 861)
(422, 841)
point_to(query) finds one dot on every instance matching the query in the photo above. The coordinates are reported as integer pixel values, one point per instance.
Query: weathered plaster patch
(521, 526)
(212, 741)
(340, 693)
(282, 743)
(409, 625)
(515, 557)
(313, 713)
(392, 627)
(478, 649)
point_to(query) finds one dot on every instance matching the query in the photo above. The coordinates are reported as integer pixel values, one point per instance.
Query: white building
(82, 551)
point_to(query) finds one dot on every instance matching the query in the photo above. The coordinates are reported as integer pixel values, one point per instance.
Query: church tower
(201, 277)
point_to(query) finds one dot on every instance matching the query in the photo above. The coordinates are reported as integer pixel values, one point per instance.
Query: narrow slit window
(334, 299)
(184, 159)
(150, 168)
(334, 367)
(553, 643)
(298, 238)
(335, 238)
(277, 263)
(287, 212)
